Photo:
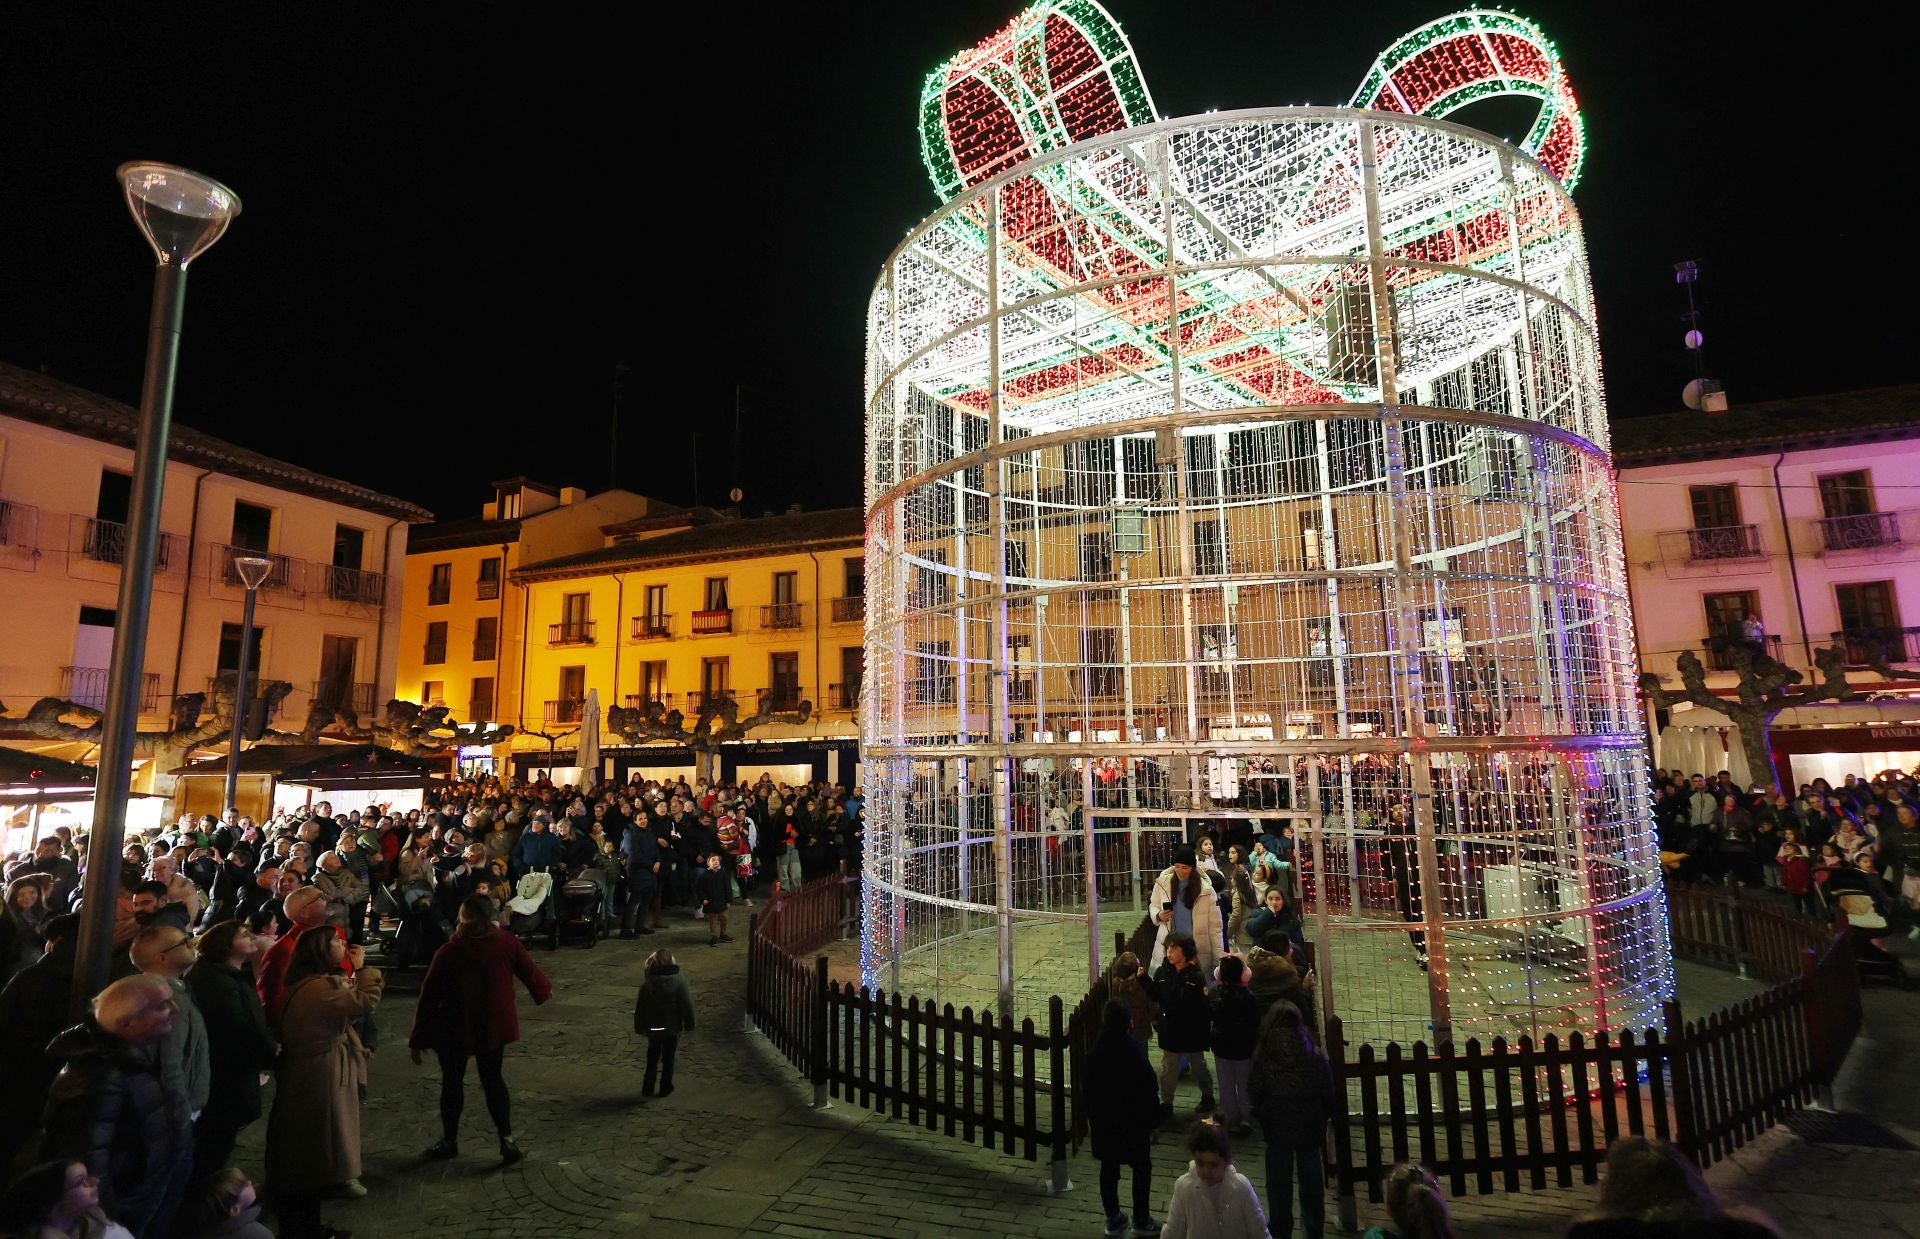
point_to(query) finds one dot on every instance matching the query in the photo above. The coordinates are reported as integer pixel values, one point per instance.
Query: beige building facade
(328, 615)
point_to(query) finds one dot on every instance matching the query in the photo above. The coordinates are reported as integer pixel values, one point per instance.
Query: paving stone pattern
(736, 1150)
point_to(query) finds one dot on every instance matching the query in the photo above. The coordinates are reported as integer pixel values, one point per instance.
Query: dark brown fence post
(1680, 1060)
(819, 1014)
(1057, 1065)
(1737, 918)
(1347, 1206)
(753, 970)
(1813, 1010)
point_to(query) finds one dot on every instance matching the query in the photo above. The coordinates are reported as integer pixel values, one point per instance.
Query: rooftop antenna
(1701, 394)
(736, 494)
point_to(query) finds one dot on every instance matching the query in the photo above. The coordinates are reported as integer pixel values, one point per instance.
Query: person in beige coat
(1185, 901)
(313, 1133)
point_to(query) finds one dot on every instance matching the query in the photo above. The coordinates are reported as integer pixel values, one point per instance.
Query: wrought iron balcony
(931, 690)
(1863, 531)
(783, 615)
(434, 652)
(345, 695)
(355, 585)
(223, 682)
(570, 710)
(488, 590)
(1891, 645)
(782, 697)
(708, 622)
(1719, 655)
(843, 696)
(105, 542)
(16, 522)
(87, 686)
(850, 610)
(701, 700)
(652, 627)
(286, 576)
(1723, 542)
(572, 632)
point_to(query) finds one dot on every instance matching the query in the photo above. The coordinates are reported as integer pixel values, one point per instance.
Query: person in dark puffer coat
(1122, 1101)
(241, 1044)
(109, 1109)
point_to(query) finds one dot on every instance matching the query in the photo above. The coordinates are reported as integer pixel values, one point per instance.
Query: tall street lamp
(251, 569)
(181, 214)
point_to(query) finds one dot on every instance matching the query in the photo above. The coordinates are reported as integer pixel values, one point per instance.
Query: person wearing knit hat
(1185, 901)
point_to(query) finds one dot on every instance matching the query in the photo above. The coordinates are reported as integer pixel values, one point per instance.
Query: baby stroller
(577, 909)
(531, 909)
(1866, 926)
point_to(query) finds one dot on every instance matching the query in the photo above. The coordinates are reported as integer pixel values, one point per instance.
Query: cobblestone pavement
(737, 1150)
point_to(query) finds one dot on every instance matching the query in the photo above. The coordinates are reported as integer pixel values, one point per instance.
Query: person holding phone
(1187, 902)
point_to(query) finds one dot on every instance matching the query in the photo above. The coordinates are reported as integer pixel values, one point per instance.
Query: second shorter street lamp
(252, 570)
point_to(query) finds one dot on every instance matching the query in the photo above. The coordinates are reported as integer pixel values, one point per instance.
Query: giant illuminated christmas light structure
(1243, 469)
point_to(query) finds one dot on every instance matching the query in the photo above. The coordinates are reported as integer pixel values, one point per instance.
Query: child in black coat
(1236, 1027)
(713, 886)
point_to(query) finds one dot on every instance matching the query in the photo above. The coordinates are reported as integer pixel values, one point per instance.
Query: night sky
(458, 218)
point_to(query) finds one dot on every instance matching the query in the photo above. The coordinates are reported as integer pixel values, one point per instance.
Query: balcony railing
(1723, 542)
(1863, 531)
(1868, 645)
(105, 542)
(434, 652)
(652, 627)
(707, 622)
(87, 686)
(16, 521)
(488, 589)
(285, 576)
(1719, 655)
(573, 632)
(640, 701)
(783, 615)
(843, 696)
(782, 697)
(571, 710)
(698, 701)
(345, 695)
(850, 610)
(355, 585)
(938, 690)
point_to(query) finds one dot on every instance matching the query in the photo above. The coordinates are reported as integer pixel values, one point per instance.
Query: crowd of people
(1862, 838)
(239, 960)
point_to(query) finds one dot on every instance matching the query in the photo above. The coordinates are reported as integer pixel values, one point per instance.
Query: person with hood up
(33, 1011)
(661, 1012)
(1292, 1092)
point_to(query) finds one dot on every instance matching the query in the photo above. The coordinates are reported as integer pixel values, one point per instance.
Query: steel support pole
(994, 479)
(1405, 624)
(240, 701)
(121, 717)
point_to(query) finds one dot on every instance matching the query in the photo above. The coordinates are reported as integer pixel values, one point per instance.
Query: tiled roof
(725, 539)
(461, 532)
(32, 397)
(1874, 414)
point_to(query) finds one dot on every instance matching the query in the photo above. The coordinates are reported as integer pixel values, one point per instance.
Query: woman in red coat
(466, 1011)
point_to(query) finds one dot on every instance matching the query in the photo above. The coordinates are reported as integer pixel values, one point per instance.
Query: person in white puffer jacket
(1213, 1200)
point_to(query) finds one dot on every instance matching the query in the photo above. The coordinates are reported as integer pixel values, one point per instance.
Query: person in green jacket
(661, 1013)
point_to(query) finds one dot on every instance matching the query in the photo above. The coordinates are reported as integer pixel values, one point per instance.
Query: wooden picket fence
(1518, 1114)
(1507, 1116)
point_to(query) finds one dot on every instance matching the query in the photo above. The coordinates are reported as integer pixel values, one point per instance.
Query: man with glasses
(165, 952)
(110, 1108)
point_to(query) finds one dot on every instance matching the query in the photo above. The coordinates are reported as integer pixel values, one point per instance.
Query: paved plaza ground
(737, 1150)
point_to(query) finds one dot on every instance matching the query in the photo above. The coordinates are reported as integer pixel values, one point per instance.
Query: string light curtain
(1249, 469)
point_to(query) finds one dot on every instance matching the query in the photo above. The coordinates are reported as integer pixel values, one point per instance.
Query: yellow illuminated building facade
(683, 606)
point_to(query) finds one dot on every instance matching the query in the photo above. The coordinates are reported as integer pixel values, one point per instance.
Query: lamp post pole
(252, 570)
(181, 213)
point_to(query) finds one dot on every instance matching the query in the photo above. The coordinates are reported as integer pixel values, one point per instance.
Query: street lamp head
(252, 569)
(182, 213)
